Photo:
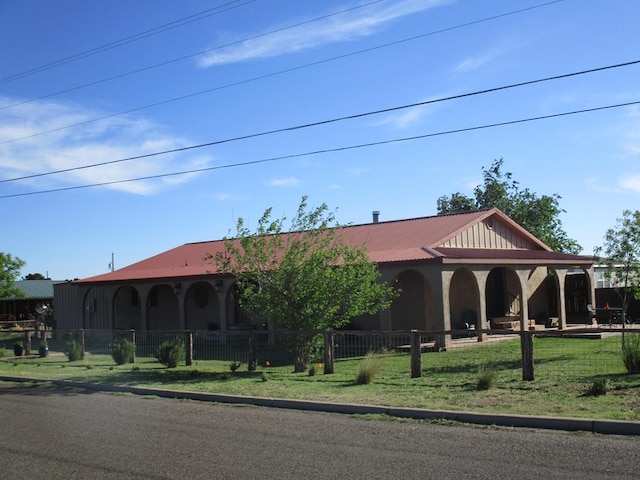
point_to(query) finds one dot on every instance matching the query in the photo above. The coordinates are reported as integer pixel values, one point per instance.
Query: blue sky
(83, 83)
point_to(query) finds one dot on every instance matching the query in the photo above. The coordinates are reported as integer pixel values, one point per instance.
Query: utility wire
(326, 122)
(191, 55)
(262, 77)
(126, 40)
(331, 150)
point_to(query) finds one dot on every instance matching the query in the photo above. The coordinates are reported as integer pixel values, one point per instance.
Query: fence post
(253, 361)
(82, 344)
(416, 357)
(526, 345)
(329, 344)
(135, 347)
(27, 342)
(189, 359)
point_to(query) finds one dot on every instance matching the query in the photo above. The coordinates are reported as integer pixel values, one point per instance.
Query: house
(609, 289)
(35, 304)
(453, 271)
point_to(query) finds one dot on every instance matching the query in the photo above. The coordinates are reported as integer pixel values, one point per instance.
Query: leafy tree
(621, 255)
(305, 279)
(35, 276)
(537, 214)
(9, 270)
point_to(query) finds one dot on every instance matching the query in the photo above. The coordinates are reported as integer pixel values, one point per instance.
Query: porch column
(384, 316)
(523, 278)
(562, 303)
(222, 307)
(143, 296)
(481, 279)
(592, 287)
(180, 296)
(445, 285)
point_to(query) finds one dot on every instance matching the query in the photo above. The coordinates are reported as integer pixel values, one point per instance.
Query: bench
(512, 323)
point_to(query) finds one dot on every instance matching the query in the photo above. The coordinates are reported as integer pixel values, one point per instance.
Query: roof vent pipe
(376, 216)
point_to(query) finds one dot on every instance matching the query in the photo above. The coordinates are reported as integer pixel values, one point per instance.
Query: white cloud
(472, 63)
(357, 171)
(97, 142)
(345, 27)
(407, 118)
(479, 60)
(284, 182)
(412, 116)
(630, 183)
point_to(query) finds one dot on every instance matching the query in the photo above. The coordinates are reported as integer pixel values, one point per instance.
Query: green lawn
(565, 369)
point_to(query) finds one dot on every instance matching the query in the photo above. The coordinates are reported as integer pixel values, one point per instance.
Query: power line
(329, 121)
(126, 40)
(191, 55)
(265, 76)
(331, 150)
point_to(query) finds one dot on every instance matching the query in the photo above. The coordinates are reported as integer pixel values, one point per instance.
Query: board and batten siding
(489, 234)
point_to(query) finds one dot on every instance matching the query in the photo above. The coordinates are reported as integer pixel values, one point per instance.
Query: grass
(564, 371)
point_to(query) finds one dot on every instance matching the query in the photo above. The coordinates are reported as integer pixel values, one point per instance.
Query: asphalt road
(52, 433)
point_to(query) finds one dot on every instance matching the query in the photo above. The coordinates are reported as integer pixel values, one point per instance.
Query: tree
(540, 215)
(621, 255)
(35, 276)
(305, 279)
(9, 270)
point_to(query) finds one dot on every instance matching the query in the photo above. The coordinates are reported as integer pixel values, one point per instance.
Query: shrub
(74, 351)
(123, 351)
(631, 352)
(171, 353)
(312, 370)
(235, 365)
(486, 376)
(600, 386)
(264, 377)
(369, 368)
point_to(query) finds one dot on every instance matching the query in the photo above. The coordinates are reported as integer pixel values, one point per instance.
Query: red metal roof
(387, 242)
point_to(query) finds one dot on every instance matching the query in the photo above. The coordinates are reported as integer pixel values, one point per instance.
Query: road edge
(600, 426)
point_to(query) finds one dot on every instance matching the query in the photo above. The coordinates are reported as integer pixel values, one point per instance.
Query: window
(601, 280)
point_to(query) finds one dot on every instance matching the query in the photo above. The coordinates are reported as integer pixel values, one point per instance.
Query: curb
(601, 426)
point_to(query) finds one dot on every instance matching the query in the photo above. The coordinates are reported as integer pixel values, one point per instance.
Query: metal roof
(412, 240)
(35, 289)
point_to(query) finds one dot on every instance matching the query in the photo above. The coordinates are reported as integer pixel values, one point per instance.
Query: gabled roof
(421, 240)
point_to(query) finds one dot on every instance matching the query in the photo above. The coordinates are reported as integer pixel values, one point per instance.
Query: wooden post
(416, 355)
(135, 347)
(253, 361)
(329, 344)
(526, 345)
(27, 342)
(189, 359)
(82, 341)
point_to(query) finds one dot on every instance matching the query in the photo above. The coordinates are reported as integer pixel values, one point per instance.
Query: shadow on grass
(41, 389)
(163, 375)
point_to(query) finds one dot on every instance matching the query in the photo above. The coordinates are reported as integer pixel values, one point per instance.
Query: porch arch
(162, 308)
(503, 293)
(413, 308)
(578, 293)
(202, 309)
(237, 318)
(464, 300)
(127, 312)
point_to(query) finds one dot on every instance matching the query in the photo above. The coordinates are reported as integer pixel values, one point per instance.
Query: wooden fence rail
(253, 347)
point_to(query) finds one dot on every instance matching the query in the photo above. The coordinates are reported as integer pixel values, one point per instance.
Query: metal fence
(551, 354)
